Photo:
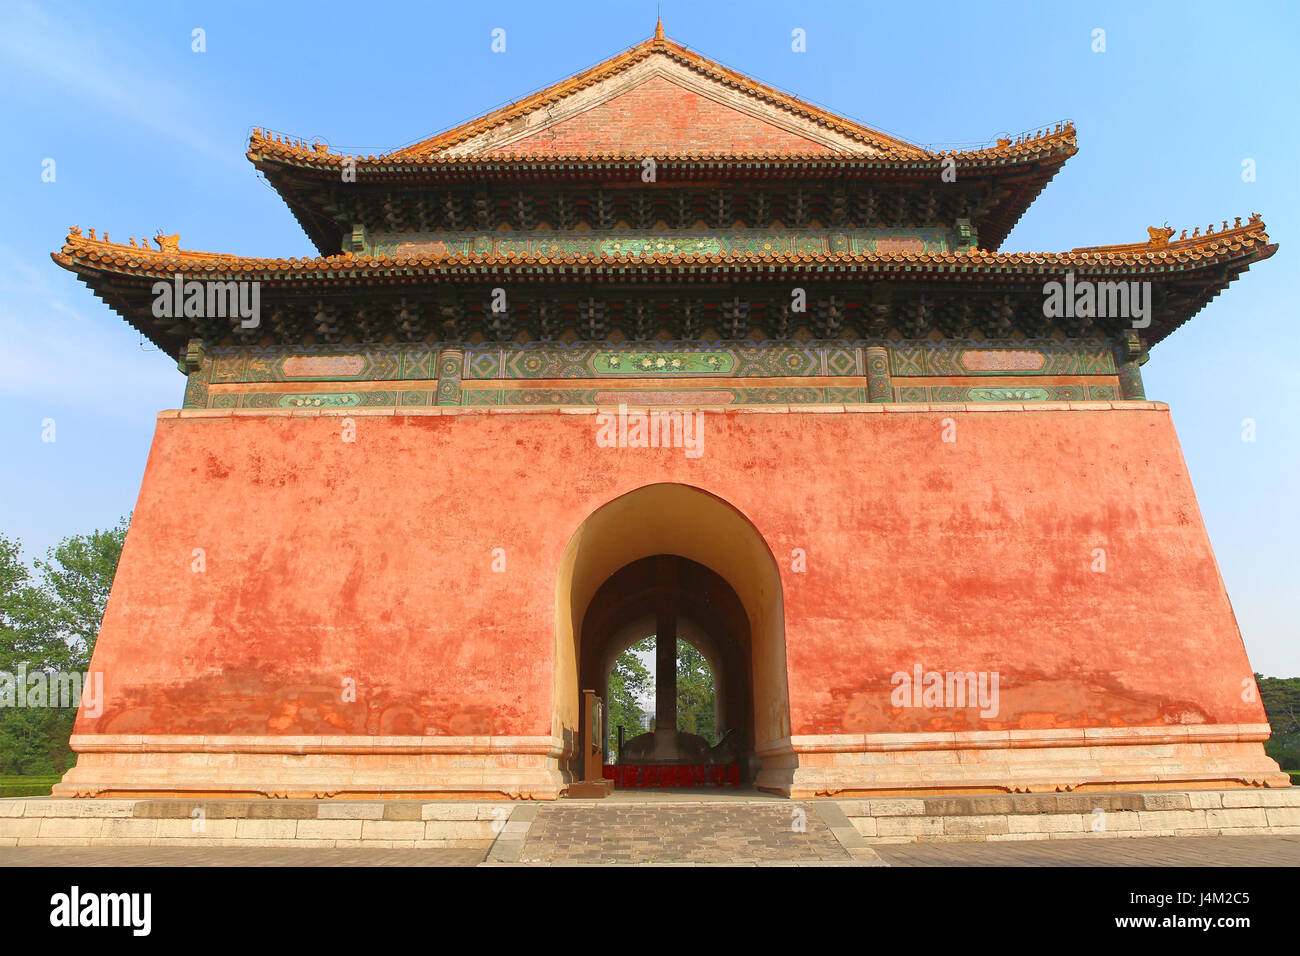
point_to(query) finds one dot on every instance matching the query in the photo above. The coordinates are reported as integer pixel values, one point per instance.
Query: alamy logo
(1085, 299)
(208, 300)
(53, 689)
(657, 429)
(75, 908)
(952, 689)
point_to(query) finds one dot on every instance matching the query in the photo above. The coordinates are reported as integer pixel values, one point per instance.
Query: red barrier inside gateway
(673, 775)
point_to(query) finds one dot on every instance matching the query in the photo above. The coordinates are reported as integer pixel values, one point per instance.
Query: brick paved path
(1138, 851)
(1147, 851)
(680, 833)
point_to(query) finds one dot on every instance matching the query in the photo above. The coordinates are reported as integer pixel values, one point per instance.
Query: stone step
(1078, 815)
(647, 825)
(394, 824)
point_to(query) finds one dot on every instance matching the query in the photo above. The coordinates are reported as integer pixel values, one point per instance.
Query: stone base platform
(398, 824)
(412, 824)
(1069, 816)
(1104, 759)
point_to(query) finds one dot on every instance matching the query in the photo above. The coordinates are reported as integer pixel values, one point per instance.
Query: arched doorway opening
(721, 557)
(675, 599)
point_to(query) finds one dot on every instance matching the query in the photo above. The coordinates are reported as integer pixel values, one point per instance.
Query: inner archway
(675, 599)
(683, 522)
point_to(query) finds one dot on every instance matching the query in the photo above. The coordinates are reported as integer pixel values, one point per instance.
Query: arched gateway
(749, 366)
(673, 601)
(671, 551)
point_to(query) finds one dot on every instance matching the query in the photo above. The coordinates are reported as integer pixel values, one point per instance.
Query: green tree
(629, 682)
(14, 588)
(1281, 699)
(50, 624)
(695, 693)
(27, 735)
(75, 580)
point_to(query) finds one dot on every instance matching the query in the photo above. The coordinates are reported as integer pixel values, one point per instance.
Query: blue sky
(147, 134)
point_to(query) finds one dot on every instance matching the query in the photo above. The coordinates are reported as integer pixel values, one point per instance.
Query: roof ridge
(1159, 238)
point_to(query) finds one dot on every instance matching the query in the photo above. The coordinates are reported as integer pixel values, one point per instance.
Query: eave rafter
(1013, 174)
(922, 293)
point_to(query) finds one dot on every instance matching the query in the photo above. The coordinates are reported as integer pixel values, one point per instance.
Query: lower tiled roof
(1250, 240)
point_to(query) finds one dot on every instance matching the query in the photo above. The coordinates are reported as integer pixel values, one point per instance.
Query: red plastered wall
(371, 561)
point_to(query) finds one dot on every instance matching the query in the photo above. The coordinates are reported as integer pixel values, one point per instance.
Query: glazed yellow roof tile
(265, 145)
(1233, 242)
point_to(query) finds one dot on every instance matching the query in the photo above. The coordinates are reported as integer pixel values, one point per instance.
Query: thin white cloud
(74, 354)
(37, 50)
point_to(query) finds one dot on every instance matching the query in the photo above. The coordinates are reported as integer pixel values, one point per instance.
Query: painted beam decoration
(561, 245)
(812, 373)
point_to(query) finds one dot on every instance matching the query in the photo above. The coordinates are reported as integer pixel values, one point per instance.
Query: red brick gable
(661, 117)
(632, 69)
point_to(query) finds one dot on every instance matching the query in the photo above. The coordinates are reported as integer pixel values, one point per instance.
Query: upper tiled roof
(310, 178)
(657, 100)
(1059, 142)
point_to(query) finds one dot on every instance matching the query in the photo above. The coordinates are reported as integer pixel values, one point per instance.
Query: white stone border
(1016, 739)
(269, 744)
(892, 408)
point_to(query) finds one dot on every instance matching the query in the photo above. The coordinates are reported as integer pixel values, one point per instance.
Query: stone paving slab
(1081, 815)
(232, 856)
(653, 826)
(1150, 851)
(1154, 851)
(685, 795)
(784, 832)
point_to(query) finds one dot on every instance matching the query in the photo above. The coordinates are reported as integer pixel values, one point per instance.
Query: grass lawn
(17, 785)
